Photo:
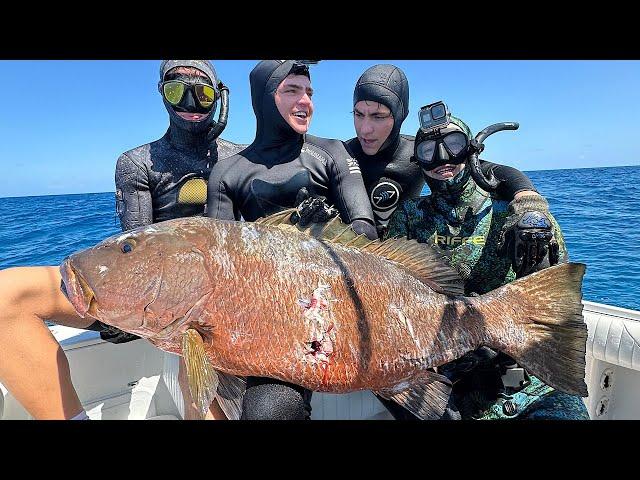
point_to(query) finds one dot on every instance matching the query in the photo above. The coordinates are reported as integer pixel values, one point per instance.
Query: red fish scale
(384, 322)
(269, 318)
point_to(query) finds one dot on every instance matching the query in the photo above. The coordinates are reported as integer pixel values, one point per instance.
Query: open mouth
(300, 115)
(445, 170)
(192, 117)
(77, 291)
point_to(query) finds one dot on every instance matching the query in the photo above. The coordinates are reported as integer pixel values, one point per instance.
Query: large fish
(333, 315)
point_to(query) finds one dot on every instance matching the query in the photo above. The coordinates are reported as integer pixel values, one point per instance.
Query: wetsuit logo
(352, 163)
(314, 154)
(453, 241)
(385, 196)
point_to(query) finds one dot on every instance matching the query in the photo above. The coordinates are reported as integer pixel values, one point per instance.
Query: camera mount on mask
(436, 117)
(220, 125)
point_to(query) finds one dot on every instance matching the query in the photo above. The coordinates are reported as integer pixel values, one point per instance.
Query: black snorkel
(219, 126)
(489, 183)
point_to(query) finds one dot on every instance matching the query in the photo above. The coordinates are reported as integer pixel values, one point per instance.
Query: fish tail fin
(542, 312)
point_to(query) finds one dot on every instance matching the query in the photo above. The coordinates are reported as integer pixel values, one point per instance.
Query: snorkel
(219, 126)
(473, 163)
(434, 120)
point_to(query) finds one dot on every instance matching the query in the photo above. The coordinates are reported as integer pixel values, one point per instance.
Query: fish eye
(126, 247)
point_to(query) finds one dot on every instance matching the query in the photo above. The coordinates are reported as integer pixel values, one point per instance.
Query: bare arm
(33, 366)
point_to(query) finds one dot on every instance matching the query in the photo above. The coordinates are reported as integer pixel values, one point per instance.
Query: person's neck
(278, 145)
(184, 139)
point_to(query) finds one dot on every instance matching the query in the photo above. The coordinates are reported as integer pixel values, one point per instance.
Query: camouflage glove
(527, 236)
(311, 209)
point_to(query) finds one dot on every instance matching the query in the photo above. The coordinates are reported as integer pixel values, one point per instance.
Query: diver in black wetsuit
(380, 105)
(153, 184)
(167, 178)
(268, 176)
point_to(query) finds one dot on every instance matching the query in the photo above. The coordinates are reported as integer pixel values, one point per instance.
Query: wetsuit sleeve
(348, 192)
(220, 202)
(511, 179)
(133, 197)
(563, 253)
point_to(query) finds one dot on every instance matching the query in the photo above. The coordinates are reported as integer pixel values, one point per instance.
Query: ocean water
(597, 208)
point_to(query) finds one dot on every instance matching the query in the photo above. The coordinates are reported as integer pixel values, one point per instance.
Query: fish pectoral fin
(203, 378)
(230, 393)
(425, 395)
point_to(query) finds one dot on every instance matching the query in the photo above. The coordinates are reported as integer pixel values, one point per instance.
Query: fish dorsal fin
(425, 262)
(334, 230)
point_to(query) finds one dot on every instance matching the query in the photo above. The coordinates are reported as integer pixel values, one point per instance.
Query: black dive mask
(192, 97)
(442, 149)
(184, 93)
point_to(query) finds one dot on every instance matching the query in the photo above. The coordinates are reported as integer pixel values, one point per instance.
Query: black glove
(527, 236)
(311, 209)
(111, 334)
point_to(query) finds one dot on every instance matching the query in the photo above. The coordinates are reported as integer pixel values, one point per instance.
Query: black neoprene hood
(204, 66)
(264, 80)
(388, 85)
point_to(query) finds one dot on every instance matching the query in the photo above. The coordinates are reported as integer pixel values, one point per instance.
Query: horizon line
(113, 191)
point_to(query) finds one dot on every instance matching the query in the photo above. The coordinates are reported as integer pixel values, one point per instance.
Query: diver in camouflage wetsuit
(480, 231)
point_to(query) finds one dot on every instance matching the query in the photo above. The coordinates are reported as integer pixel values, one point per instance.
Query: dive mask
(451, 148)
(174, 91)
(441, 139)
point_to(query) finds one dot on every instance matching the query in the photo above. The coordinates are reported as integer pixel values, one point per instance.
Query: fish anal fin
(425, 395)
(203, 379)
(230, 393)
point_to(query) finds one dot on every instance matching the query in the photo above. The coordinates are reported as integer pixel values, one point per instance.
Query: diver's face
(444, 172)
(189, 107)
(373, 122)
(293, 100)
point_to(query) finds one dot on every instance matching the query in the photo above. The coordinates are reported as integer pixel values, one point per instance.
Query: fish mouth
(77, 290)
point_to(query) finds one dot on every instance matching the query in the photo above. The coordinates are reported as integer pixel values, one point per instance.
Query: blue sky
(64, 123)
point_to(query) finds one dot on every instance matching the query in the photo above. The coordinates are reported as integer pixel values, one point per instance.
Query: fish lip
(77, 290)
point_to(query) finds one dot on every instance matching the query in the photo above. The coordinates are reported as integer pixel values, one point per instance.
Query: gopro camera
(434, 115)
